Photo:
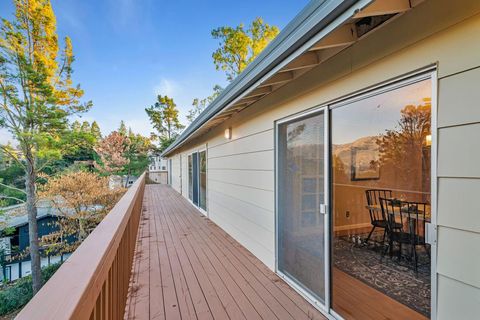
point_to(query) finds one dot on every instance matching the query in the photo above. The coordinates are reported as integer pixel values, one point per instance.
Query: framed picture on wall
(365, 164)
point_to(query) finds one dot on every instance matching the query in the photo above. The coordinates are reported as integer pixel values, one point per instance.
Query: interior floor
(353, 299)
(366, 279)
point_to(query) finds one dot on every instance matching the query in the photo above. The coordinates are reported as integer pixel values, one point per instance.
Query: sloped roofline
(315, 17)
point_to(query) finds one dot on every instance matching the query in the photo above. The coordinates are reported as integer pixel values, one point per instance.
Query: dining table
(405, 211)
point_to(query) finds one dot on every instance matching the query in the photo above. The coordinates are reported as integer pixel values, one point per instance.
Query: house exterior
(158, 169)
(14, 264)
(352, 98)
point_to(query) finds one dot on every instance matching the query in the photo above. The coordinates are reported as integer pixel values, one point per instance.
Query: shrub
(16, 295)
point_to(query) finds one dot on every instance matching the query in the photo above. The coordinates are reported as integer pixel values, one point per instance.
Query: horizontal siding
(458, 203)
(263, 180)
(459, 151)
(261, 160)
(260, 198)
(256, 142)
(459, 97)
(263, 237)
(262, 217)
(246, 237)
(457, 300)
(459, 255)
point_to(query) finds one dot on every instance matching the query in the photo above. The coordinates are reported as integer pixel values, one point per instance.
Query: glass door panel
(381, 188)
(203, 179)
(195, 178)
(301, 203)
(190, 178)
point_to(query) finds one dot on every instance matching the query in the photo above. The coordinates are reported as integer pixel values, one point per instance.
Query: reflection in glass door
(381, 203)
(301, 210)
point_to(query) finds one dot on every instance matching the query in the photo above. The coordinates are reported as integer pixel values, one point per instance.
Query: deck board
(186, 267)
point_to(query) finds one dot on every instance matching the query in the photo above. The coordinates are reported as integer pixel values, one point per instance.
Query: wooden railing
(93, 282)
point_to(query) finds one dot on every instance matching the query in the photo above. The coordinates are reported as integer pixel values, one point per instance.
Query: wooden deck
(186, 267)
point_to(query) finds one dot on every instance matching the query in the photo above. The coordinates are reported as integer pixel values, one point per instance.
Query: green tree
(85, 127)
(164, 118)
(78, 144)
(122, 129)
(76, 126)
(95, 130)
(37, 96)
(198, 105)
(137, 154)
(239, 45)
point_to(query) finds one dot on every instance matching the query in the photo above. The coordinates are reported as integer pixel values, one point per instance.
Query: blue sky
(127, 51)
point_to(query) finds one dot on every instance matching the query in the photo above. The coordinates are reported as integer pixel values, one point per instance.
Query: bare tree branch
(13, 198)
(12, 187)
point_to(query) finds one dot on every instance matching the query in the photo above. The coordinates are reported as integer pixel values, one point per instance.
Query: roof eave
(310, 21)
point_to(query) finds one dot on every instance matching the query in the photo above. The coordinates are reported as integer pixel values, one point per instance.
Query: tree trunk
(32, 224)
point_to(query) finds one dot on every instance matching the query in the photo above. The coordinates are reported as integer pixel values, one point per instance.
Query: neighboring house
(353, 137)
(120, 181)
(158, 169)
(15, 243)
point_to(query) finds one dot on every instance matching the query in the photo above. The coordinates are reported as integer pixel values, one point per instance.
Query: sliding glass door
(197, 179)
(302, 226)
(354, 203)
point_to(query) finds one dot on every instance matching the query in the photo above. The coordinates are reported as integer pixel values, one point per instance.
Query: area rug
(395, 278)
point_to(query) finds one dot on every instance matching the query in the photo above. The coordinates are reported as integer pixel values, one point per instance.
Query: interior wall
(241, 170)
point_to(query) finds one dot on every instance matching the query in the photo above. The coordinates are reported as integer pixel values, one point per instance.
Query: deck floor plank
(212, 296)
(157, 309)
(186, 267)
(187, 310)
(199, 300)
(237, 294)
(285, 295)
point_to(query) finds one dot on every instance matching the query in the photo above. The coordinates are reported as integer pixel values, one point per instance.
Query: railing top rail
(73, 289)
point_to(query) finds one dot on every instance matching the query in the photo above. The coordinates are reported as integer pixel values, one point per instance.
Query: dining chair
(406, 225)
(377, 218)
(417, 213)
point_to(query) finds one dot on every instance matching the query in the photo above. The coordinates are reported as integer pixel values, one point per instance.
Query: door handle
(323, 208)
(430, 233)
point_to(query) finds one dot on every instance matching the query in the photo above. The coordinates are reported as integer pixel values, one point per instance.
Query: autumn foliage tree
(111, 151)
(403, 149)
(82, 199)
(37, 96)
(240, 45)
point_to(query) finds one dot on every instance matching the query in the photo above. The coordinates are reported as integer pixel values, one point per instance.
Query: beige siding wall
(458, 193)
(241, 171)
